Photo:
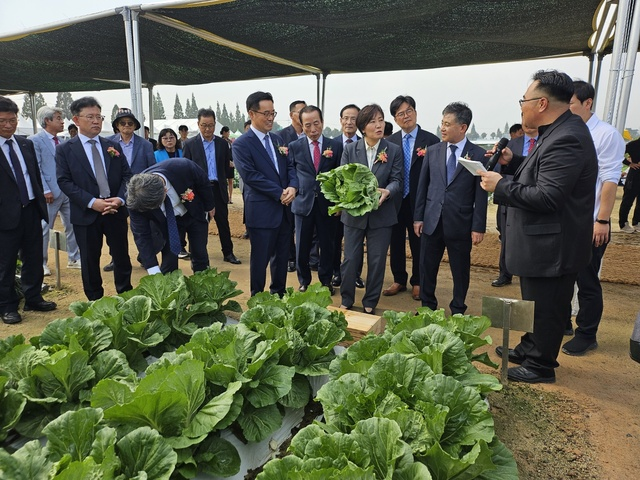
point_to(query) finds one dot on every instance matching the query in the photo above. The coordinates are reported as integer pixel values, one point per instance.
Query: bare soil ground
(585, 426)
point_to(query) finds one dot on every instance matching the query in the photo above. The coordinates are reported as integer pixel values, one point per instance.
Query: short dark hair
(388, 128)
(583, 90)
(84, 102)
(555, 84)
(72, 126)
(347, 107)
(253, 100)
(147, 128)
(461, 111)
(311, 109)
(399, 100)
(145, 192)
(206, 112)
(292, 105)
(366, 115)
(162, 133)
(247, 123)
(516, 127)
(183, 127)
(224, 129)
(8, 105)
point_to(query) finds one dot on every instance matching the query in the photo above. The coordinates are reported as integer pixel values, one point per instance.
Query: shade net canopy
(248, 39)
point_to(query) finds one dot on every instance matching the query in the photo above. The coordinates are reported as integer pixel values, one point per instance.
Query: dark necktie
(22, 185)
(55, 140)
(532, 142)
(348, 141)
(451, 163)
(98, 166)
(316, 155)
(406, 147)
(267, 147)
(172, 227)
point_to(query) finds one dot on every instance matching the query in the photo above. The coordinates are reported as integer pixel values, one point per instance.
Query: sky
(491, 91)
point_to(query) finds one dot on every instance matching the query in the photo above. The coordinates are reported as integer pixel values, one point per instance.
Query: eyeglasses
(91, 118)
(128, 123)
(168, 139)
(10, 121)
(207, 125)
(267, 114)
(408, 112)
(522, 100)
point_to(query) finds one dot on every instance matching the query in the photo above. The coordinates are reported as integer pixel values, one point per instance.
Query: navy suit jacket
(263, 185)
(309, 187)
(462, 204)
(424, 139)
(10, 196)
(193, 149)
(338, 147)
(182, 174)
(143, 156)
(389, 175)
(288, 135)
(78, 182)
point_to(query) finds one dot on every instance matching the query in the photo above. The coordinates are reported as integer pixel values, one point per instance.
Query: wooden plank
(359, 324)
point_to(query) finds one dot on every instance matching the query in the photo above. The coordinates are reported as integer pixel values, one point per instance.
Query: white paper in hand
(472, 165)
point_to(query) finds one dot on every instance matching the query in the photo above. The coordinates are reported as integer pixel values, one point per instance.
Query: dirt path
(586, 426)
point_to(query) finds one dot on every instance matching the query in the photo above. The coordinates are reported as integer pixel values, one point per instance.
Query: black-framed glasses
(267, 114)
(126, 123)
(522, 100)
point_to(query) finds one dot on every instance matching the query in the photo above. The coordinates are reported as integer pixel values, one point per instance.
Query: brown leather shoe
(415, 292)
(394, 289)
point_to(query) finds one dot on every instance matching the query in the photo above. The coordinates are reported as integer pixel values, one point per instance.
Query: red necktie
(532, 142)
(316, 155)
(55, 140)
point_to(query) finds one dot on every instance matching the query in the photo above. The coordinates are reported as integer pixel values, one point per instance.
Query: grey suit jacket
(389, 175)
(46, 154)
(462, 204)
(143, 156)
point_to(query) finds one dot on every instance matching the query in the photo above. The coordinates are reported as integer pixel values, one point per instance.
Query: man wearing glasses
(270, 184)
(213, 155)
(549, 225)
(93, 172)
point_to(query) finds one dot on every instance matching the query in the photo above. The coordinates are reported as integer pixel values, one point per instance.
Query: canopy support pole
(596, 83)
(324, 88)
(151, 110)
(317, 89)
(627, 74)
(34, 120)
(133, 56)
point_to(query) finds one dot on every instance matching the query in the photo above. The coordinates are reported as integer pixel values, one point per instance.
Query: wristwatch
(603, 222)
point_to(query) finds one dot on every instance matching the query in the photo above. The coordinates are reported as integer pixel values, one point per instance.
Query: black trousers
(459, 251)
(590, 299)
(269, 246)
(26, 238)
(501, 222)
(553, 306)
(398, 247)
(325, 226)
(198, 232)
(630, 194)
(221, 218)
(90, 237)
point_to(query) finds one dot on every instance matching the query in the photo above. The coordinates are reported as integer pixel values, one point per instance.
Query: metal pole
(139, 110)
(597, 78)
(317, 89)
(151, 110)
(57, 248)
(324, 87)
(34, 121)
(616, 59)
(126, 15)
(506, 326)
(627, 74)
(591, 57)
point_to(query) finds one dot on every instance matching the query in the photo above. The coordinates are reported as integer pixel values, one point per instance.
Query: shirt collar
(84, 139)
(413, 133)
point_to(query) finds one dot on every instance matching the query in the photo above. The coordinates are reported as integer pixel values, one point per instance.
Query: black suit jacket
(182, 174)
(78, 182)
(193, 149)
(551, 198)
(10, 203)
(288, 135)
(424, 139)
(338, 147)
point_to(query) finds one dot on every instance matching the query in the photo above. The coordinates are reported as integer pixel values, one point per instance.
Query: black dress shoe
(231, 258)
(513, 356)
(245, 235)
(291, 266)
(303, 288)
(578, 346)
(359, 282)
(330, 288)
(184, 255)
(108, 267)
(501, 282)
(523, 374)
(336, 281)
(11, 317)
(41, 306)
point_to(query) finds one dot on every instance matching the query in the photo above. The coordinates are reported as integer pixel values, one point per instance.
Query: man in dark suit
(310, 155)
(137, 150)
(549, 218)
(93, 172)
(522, 145)
(451, 208)
(291, 134)
(181, 185)
(213, 155)
(23, 209)
(270, 184)
(348, 116)
(413, 141)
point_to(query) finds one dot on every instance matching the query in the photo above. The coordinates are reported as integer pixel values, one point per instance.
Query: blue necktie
(17, 169)
(268, 149)
(406, 147)
(451, 163)
(172, 226)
